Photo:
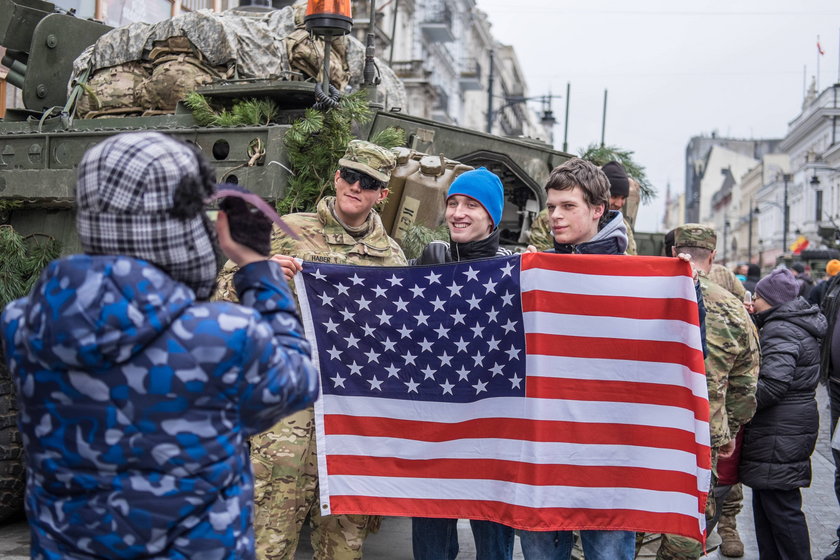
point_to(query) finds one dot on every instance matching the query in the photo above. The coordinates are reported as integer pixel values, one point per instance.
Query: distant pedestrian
(753, 276)
(832, 268)
(830, 375)
(803, 278)
(137, 396)
(779, 440)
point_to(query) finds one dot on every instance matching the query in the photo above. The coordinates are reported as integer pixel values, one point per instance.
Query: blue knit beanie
(484, 187)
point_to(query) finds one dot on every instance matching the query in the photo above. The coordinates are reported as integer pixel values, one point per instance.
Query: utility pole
(490, 93)
(786, 177)
(566, 121)
(604, 119)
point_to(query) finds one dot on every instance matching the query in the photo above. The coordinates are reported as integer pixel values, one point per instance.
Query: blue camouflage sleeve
(276, 365)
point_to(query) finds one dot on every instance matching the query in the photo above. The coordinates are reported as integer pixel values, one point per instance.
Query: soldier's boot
(731, 545)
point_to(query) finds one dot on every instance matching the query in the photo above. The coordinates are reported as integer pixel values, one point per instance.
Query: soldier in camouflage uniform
(725, 278)
(541, 235)
(731, 366)
(346, 230)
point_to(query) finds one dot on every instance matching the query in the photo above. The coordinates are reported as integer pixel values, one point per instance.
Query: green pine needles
(601, 155)
(22, 262)
(246, 112)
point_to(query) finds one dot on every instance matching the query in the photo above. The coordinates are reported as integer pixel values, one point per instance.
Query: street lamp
(786, 177)
(725, 231)
(753, 211)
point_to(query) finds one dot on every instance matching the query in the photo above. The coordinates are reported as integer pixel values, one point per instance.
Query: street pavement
(393, 541)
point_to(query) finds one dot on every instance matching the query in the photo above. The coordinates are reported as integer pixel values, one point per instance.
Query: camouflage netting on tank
(234, 44)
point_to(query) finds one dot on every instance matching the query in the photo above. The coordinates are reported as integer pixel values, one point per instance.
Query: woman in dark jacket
(779, 440)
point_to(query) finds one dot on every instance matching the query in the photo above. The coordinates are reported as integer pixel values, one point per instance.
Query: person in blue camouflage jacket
(137, 396)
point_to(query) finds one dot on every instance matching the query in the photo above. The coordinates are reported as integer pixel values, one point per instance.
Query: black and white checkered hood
(125, 196)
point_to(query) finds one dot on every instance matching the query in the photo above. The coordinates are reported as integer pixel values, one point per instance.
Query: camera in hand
(248, 225)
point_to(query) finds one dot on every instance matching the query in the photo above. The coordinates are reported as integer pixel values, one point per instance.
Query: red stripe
(611, 349)
(607, 265)
(518, 517)
(674, 309)
(516, 429)
(617, 391)
(515, 471)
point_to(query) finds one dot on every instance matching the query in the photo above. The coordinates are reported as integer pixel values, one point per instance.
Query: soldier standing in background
(731, 366)
(344, 230)
(541, 235)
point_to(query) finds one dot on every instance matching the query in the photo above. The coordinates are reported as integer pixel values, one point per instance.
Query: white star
(463, 373)
(384, 318)
(395, 281)
(478, 358)
(480, 386)
(347, 314)
(375, 384)
(421, 318)
(355, 369)
(380, 291)
(462, 345)
(318, 275)
(326, 299)
(417, 291)
(405, 332)
(494, 344)
(331, 326)
(393, 371)
(409, 358)
(473, 301)
(368, 330)
(335, 354)
(430, 373)
(388, 345)
(412, 386)
(352, 341)
(454, 289)
(507, 299)
(515, 381)
(507, 269)
(438, 303)
(342, 289)
(496, 369)
(356, 280)
(433, 278)
(446, 359)
(425, 345)
(401, 305)
(513, 352)
(447, 386)
(471, 274)
(490, 287)
(458, 317)
(509, 326)
(477, 330)
(372, 356)
(442, 332)
(364, 303)
(491, 315)
(338, 380)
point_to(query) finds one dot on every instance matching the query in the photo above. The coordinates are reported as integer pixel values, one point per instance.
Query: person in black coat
(779, 440)
(753, 275)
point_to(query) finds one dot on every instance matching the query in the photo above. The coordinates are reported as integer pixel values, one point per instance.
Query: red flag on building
(799, 245)
(542, 391)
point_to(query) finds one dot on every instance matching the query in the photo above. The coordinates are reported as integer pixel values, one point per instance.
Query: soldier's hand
(238, 253)
(531, 249)
(725, 451)
(687, 258)
(290, 265)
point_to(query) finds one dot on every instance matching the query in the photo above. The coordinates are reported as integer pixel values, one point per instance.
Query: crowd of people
(167, 412)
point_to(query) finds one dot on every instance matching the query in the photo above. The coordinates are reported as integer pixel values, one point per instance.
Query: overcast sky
(673, 70)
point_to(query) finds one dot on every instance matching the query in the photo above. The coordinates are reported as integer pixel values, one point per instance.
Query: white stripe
(597, 285)
(612, 327)
(597, 369)
(517, 407)
(518, 494)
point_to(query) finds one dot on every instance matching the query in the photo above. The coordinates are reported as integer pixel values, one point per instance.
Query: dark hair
(248, 226)
(588, 177)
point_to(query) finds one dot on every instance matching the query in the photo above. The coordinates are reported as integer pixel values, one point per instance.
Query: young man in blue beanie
(474, 205)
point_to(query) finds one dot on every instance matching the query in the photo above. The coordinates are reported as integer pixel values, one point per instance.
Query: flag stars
(474, 301)
(417, 291)
(335, 353)
(462, 345)
(442, 332)
(458, 317)
(372, 356)
(480, 387)
(411, 386)
(477, 331)
(331, 325)
(342, 289)
(425, 345)
(347, 315)
(318, 275)
(375, 384)
(491, 315)
(393, 371)
(356, 280)
(429, 372)
(364, 303)
(447, 387)
(463, 373)
(471, 274)
(352, 341)
(401, 304)
(493, 343)
(497, 369)
(433, 278)
(368, 330)
(355, 369)
(454, 289)
(509, 326)
(388, 346)
(478, 359)
(438, 303)
(506, 271)
(507, 299)
(404, 331)
(338, 381)
(490, 287)
(395, 280)
(446, 359)
(513, 352)
(380, 291)
(409, 358)
(384, 318)
(326, 299)
(515, 382)
(422, 318)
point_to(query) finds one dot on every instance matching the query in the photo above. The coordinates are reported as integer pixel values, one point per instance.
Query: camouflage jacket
(324, 239)
(732, 363)
(542, 238)
(725, 278)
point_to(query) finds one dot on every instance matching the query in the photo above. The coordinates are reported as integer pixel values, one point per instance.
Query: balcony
(437, 25)
(410, 70)
(470, 76)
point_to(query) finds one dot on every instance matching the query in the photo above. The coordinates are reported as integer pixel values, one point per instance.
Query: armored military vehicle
(41, 144)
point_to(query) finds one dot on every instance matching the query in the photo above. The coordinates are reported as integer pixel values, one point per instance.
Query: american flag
(542, 391)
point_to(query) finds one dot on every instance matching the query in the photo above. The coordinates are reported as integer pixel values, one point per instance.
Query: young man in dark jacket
(474, 206)
(779, 440)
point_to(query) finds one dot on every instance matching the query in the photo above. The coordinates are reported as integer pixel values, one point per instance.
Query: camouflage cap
(369, 158)
(695, 235)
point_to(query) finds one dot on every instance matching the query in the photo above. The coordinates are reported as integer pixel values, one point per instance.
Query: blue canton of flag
(452, 333)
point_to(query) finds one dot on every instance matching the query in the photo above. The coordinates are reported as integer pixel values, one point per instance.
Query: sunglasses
(367, 182)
